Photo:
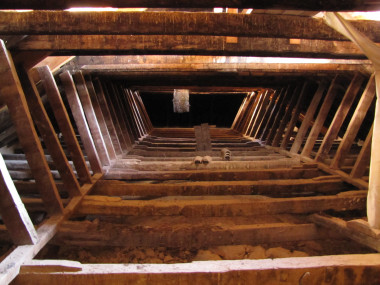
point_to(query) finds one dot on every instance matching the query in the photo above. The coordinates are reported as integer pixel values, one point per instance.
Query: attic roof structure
(179, 142)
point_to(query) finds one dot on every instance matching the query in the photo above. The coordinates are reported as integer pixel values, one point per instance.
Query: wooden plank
(364, 157)
(92, 121)
(13, 96)
(296, 111)
(222, 207)
(184, 44)
(308, 117)
(49, 137)
(321, 117)
(10, 266)
(107, 116)
(308, 5)
(271, 188)
(214, 233)
(64, 123)
(13, 212)
(339, 117)
(340, 225)
(342, 269)
(77, 111)
(100, 118)
(175, 23)
(355, 123)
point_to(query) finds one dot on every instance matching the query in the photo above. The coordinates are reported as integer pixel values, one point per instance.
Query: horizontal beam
(342, 269)
(182, 44)
(235, 206)
(309, 5)
(175, 23)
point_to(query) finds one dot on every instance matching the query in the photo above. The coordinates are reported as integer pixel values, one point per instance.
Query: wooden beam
(340, 226)
(339, 117)
(64, 123)
(100, 118)
(13, 96)
(92, 121)
(355, 123)
(47, 132)
(182, 44)
(13, 212)
(321, 117)
(80, 120)
(308, 5)
(144, 112)
(222, 207)
(175, 23)
(10, 266)
(308, 117)
(364, 157)
(272, 116)
(342, 269)
(107, 116)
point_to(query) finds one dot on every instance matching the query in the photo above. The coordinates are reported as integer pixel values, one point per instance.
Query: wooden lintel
(13, 96)
(175, 23)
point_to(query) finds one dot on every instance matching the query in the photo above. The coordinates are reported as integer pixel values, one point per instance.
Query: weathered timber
(339, 225)
(64, 123)
(49, 137)
(221, 207)
(355, 123)
(339, 117)
(13, 212)
(364, 157)
(77, 111)
(308, 5)
(144, 112)
(199, 45)
(308, 117)
(261, 113)
(361, 225)
(358, 268)
(13, 96)
(182, 232)
(100, 118)
(107, 116)
(271, 188)
(91, 118)
(272, 116)
(10, 266)
(214, 175)
(175, 23)
(321, 117)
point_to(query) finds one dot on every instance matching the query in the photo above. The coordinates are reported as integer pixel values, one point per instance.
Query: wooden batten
(80, 120)
(13, 96)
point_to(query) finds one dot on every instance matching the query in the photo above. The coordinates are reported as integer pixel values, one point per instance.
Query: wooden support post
(64, 123)
(92, 121)
(13, 212)
(363, 159)
(339, 117)
(48, 134)
(80, 120)
(318, 124)
(273, 114)
(286, 116)
(12, 95)
(355, 123)
(308, 117)
(107, 116)
(260, 113)
(101, 121)
(294, 119)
